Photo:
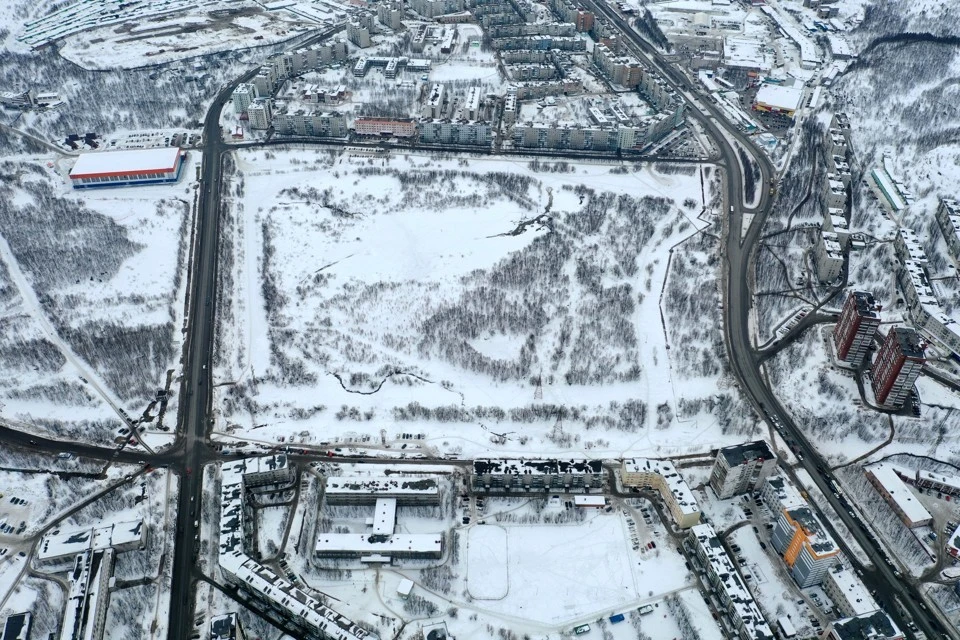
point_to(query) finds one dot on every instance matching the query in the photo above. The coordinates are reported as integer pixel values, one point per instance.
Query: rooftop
(374, 485)
(865, 303)
(909, 340)
(899, 492)
(875, 625)
(362, 543)
(224, 627)
(787, 494)
(817, 537)
(60, 543)
(859, 599)
(532, 467)
(730, 581)
(748, 451)
(780, 97)
(106, 163)
(665, 469)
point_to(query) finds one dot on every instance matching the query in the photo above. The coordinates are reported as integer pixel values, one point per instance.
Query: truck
(582, 629)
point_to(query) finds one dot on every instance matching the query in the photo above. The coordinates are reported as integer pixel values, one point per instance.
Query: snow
(488, 575)
(361, 283)
(567, 573)
(780, 97)
(127, 161)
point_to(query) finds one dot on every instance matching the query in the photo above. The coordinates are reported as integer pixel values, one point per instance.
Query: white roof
(855, 593)
(899, 492)
(729, 581)
(948, 481)
(665, 469)
(405, 587)
(361, 543)
(60, 543)
(589, 501)
(784, 98)
(385, 516)
(130, 161)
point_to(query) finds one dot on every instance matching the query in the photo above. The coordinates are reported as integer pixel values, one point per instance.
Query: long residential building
(806, 547)
(741, 468)
(311, 123)
(948, 217)
(537, 475)
(297, 608)
(662, 475)
(742, 611)
(847, 592)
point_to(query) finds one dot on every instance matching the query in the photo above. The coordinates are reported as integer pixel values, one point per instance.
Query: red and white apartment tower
(853, 333)
(897, 366)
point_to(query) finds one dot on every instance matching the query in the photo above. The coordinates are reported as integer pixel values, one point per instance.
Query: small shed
(405, 588)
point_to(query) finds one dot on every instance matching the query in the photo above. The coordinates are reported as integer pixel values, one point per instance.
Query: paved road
(744, 361)
(191, 450)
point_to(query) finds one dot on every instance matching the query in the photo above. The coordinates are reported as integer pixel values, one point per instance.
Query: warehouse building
(772, 98)
(741, 468)
(127, 168)
(663, 476)
(895, 491)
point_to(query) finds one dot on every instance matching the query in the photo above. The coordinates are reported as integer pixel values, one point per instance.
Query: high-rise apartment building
(853, 333)
(897, 366)
(741, 468)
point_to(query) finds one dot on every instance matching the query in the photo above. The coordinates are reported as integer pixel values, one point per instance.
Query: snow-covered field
(476, 304)
(565, 573)
(92, 289)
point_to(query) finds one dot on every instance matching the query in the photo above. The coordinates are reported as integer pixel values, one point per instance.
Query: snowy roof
(818, 540)
(948, 481)
(898, 491)
(114, 163)
(341, 485)
(60, 543)
(666, 470)
(17, 626)
(855, 593)
(744, 52)
(385, 516)
(786, 493)
(405, 587)
(887, 187)
(362, 543)
(911, 245)
(738, 454)
(729, 581)
(534, 467)
(779, 97)
(291, 599)
(871, 625)
(224, 627)
(589, 501)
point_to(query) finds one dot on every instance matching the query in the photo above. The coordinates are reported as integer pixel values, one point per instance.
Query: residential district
(758, 549)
